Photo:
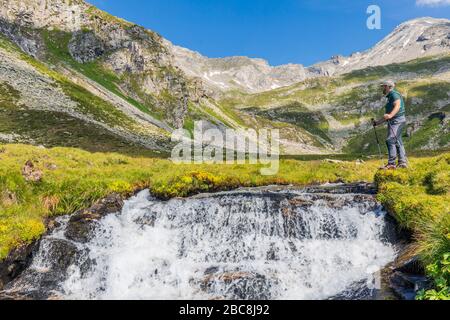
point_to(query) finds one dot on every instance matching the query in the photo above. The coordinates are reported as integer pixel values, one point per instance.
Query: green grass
(95, 13)
(201, 112)
(430, 92)
(420, 200)
(232, 114)
(298, 115)
(423, 66)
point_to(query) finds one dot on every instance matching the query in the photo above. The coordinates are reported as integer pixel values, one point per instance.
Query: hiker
(396, 121)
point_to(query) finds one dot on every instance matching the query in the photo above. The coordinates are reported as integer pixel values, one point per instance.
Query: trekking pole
(378, 141)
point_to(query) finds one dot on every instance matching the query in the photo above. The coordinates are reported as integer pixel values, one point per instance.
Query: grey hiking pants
(394, 141)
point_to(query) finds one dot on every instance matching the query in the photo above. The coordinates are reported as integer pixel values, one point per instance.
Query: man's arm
(397, 106)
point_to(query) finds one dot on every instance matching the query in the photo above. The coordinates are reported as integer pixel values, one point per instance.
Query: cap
(388, 83)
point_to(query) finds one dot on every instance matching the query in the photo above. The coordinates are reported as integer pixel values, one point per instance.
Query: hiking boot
(402, 166)
(389, 167)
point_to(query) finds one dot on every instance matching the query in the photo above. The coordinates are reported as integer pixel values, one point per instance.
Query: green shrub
(440, 272)
(191, 183)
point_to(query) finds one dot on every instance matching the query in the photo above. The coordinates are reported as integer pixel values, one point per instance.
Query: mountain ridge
(273, 77)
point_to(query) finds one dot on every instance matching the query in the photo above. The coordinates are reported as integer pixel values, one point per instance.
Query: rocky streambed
(328, 242)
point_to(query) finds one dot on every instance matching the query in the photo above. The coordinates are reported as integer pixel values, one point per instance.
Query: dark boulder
(82, 224)
(412, 266)
(406, 286)
(238, 285)
(17, 261)
(437, 115)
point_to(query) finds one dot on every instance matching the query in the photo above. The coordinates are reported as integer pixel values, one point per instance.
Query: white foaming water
(232, 246)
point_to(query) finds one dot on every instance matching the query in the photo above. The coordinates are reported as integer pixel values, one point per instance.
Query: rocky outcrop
(135, 54)
(31, 173)
(68, 15)
(27, 39)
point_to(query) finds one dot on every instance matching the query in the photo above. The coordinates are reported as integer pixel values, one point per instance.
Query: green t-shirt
(393, 96)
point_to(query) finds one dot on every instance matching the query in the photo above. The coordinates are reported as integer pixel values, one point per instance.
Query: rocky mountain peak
(410, 40)
(238, 72)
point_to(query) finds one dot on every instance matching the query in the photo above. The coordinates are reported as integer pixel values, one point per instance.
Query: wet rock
(147, 220)
(408, 275)
(82, 224)
(211, 270)
(238, 285)
(406, 286)
(300, 202)
(357, 291)
(61, 255)
(411, 266)
(111, 204)
(358, 188)
(17, 261)
(81, 227)
(52, 224)
(31, 173)
(42, 278)
(392, 233)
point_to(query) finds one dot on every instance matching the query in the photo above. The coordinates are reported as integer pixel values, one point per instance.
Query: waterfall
(252, 244)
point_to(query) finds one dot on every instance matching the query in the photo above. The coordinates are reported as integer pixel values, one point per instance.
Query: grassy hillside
(57, 53)
(61, 127)
(353, 99)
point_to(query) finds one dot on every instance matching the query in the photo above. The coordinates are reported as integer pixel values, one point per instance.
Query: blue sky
(280, 31)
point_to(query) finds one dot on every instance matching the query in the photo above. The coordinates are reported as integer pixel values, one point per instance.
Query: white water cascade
(253, 244)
